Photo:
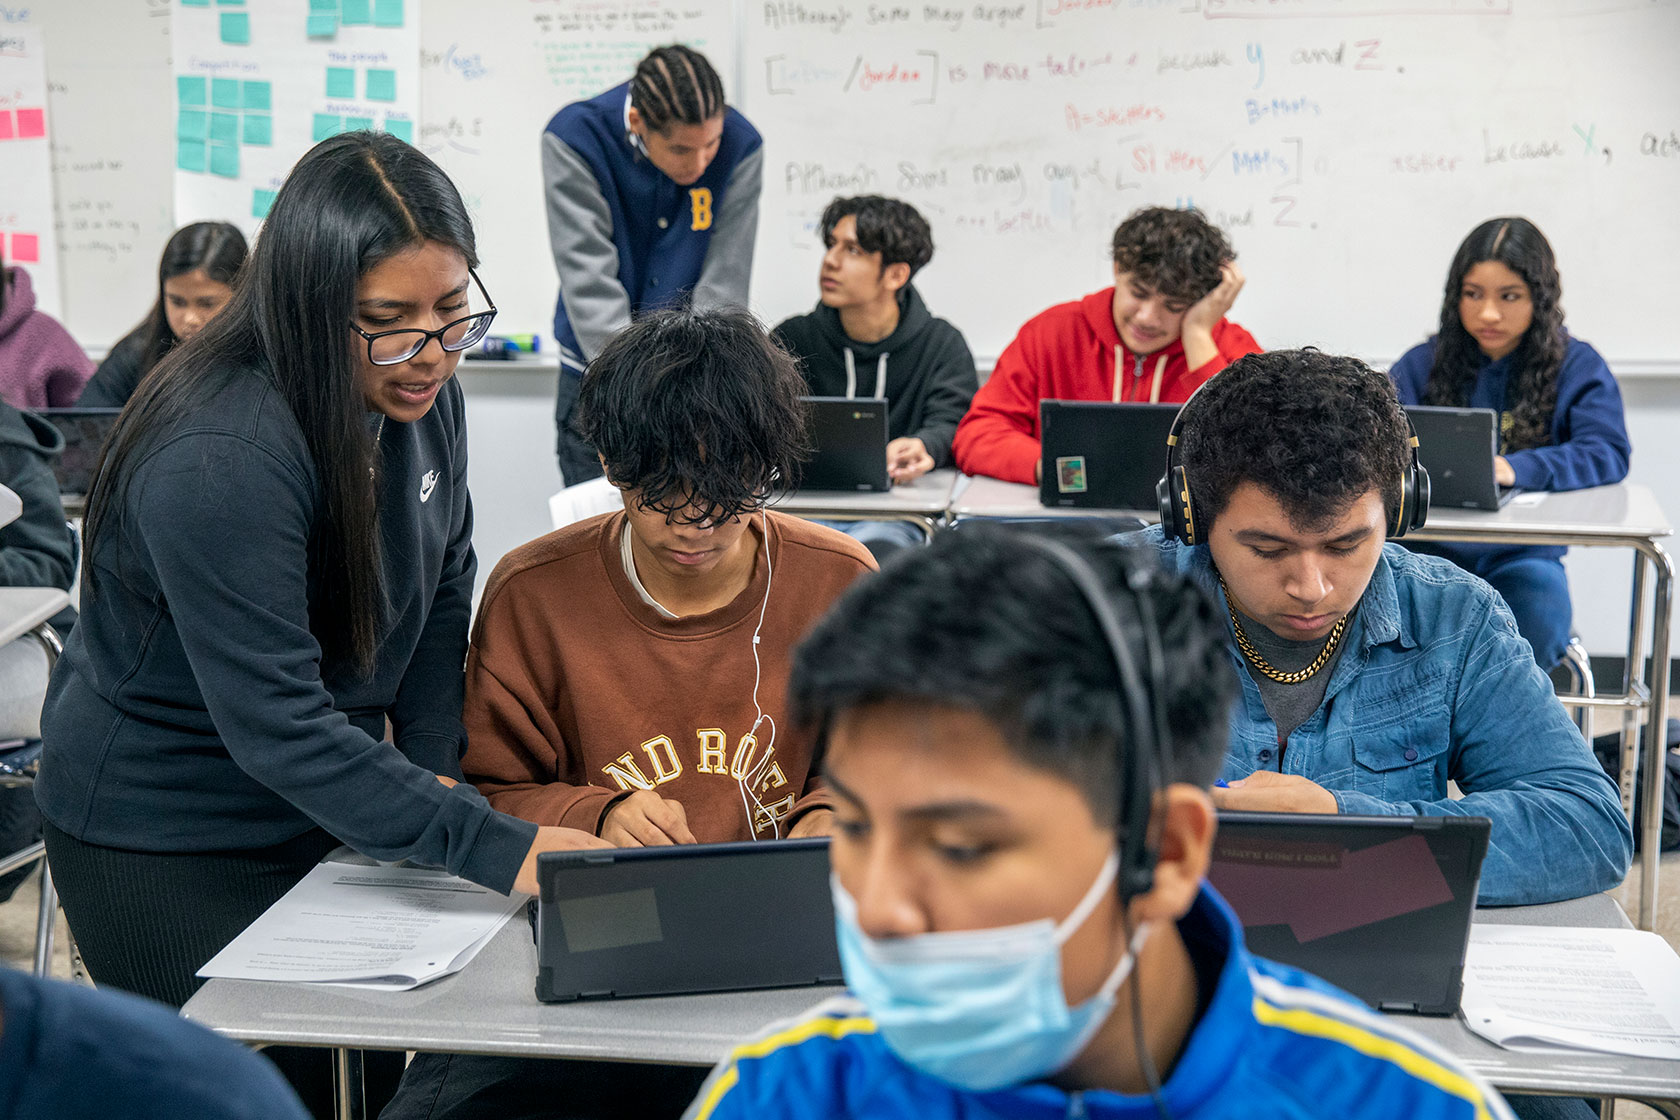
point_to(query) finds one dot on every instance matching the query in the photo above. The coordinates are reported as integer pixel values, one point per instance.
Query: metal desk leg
(349, 1100)
(1656, 761)
(1633, 677)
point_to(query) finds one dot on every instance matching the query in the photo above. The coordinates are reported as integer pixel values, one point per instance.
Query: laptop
(1099, 455)
(1378, 906)
(684, 919)
(84, 431)
(850, 438)
(1457, 447)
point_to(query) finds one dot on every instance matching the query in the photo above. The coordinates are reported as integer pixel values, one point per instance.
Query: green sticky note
(387, 13)
(236, 27)
(357, 124)
(402, 130)
(355, 11)
(341, 81)
(259, 128)
(262, 202)
(225, 93)
(224, 160)
(381, 85)
(192, 124)
(195, 3)
(224, 128)
(321, 25)
(326, 124)
(258, 95)
(190, 91)
(189, 154)
(230, 3)
(324, 6)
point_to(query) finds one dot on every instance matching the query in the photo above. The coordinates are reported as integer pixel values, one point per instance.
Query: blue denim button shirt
(1434, 683)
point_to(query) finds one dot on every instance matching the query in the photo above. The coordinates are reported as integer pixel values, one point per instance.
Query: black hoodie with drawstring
(923, 369)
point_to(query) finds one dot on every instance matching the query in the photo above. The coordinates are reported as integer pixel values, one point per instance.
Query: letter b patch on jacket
(700, 200)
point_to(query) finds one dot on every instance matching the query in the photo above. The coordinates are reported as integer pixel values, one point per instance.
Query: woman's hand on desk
(1502, 472)
(551, 839)
(907, 460)
(1267, 791)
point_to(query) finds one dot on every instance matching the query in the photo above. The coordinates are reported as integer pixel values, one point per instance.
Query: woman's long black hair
(1519, 245)
(215, 248)
(351, 202)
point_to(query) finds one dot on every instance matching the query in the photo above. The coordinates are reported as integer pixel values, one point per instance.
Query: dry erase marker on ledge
(505, 347)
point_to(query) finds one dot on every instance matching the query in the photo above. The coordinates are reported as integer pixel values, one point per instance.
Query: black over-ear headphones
(1140, 760)
(1180, 521)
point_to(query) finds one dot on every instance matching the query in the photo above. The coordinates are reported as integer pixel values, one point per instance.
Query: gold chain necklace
(1265, 667)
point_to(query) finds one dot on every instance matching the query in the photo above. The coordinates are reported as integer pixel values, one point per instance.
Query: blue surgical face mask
(981, 1009)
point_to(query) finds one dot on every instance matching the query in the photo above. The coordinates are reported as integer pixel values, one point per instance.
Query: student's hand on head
(550, 839)
(818, 822)
(1267, 791)
(907, 460)
(1502, 472)
(1204, 315)
(645, 819)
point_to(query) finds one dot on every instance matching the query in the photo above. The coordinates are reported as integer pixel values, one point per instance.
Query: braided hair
(675, 85)
(1519, 245)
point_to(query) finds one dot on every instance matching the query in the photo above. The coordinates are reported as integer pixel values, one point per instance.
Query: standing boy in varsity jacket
(871, 335)
(1018, 855)
(627, 674)
(652, 192)
(1154, 337)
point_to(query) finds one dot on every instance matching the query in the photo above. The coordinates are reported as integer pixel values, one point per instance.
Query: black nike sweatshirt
(193, 709)
(923, 369)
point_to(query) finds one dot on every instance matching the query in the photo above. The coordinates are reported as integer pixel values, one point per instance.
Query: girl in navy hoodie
(1502, 345)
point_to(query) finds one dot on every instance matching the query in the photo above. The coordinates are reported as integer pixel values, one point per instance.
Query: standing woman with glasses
(279, 560)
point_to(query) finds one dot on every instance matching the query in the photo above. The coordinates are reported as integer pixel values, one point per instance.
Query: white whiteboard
(1022, 202)
(1348, 145)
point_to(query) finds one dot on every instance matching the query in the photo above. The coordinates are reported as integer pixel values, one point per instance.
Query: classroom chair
(1573, 677)
(18, 768)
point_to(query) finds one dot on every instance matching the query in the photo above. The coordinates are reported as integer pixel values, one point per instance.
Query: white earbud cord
(748, 780)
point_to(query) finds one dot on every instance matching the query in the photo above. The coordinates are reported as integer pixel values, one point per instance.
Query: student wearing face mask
(1018, 856)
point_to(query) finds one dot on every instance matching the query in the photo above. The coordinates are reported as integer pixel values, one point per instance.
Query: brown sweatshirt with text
(579, 692)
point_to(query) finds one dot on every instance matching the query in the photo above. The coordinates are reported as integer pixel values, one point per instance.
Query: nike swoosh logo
(428, 483)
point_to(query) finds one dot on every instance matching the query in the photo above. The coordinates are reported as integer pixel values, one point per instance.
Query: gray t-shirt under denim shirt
(1289, 705)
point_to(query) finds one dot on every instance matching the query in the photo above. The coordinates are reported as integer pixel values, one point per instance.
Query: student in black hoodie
(871, 335)
(279, 566)
(36, 550)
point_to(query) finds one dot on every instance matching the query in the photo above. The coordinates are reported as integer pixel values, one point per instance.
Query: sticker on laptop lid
(1070, 474)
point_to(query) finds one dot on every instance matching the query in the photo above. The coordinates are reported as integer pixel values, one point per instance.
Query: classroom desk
(489, 1008)
(1621, 516)
(1651, 1081)
(922, 503)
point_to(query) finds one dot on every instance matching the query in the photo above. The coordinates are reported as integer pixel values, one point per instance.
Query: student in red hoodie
(1154, 337)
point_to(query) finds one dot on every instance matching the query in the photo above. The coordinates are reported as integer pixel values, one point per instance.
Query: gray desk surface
(1561, 1073)
(489, 1008)
(978, 496)
(22, 609)
(928, 496)
(1603, 514)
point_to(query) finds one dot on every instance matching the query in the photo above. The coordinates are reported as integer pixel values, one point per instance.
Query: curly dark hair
(1518, 244)
(983, 620)
(1316, 431)
(698, 411)
(675, 85)
(1176, 252)
(888, 226)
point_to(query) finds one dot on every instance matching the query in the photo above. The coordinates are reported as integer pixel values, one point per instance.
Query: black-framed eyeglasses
(392, 348)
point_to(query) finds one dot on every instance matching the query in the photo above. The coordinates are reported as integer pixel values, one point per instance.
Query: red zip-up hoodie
(1073, 352)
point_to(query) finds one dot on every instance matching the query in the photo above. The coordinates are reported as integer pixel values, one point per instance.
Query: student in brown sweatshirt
(627, 674)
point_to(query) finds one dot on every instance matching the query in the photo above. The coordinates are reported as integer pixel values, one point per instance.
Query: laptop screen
(84, 431)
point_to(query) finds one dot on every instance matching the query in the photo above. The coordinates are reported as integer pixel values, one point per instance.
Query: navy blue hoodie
(193, 709)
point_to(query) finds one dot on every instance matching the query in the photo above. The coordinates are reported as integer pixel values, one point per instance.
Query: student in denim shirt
(1374, 676)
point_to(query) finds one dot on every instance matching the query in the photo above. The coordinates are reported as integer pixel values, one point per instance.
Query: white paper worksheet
(1541, 989)
(389, 927)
